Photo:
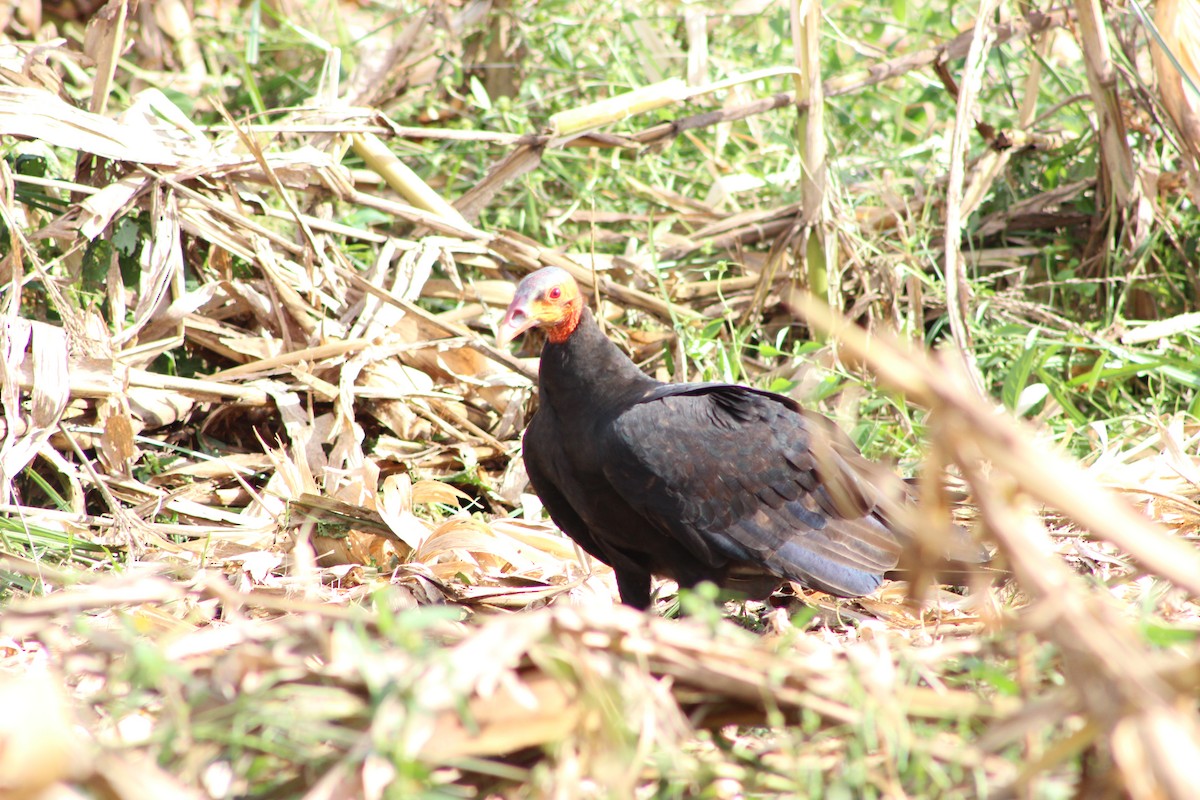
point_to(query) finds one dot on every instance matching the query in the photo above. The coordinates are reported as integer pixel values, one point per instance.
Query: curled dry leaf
(158, 408)
(427, 491)
(39, 351)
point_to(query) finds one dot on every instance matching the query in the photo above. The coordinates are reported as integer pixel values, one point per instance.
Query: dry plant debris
(265, 533)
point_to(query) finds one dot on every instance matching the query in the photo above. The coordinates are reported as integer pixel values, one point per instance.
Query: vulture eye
(555, 293)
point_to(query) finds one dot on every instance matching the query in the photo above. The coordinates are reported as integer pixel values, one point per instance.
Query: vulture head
(548, 298)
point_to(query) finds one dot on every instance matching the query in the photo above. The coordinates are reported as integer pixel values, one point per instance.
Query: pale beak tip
(515, 323)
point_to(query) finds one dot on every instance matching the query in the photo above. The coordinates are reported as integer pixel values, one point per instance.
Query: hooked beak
(516, 321)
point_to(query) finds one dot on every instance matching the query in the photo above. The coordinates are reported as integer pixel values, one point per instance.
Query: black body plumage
(702, 481)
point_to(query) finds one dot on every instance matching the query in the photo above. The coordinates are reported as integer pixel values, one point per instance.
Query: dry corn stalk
(1177, 64)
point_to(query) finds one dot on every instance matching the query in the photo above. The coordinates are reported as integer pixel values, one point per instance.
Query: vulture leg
(634, 586)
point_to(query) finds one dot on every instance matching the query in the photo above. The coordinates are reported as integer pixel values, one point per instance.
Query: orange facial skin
(548, 298)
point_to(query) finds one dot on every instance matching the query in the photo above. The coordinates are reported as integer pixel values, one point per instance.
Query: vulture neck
(587, 372)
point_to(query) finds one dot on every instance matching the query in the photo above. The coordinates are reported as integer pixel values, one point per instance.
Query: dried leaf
(39, 114)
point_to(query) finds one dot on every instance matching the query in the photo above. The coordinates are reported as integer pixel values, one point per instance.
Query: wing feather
(743, 475)
(543, 459)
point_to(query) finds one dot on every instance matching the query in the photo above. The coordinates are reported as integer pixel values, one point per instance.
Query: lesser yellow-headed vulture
(693, 481)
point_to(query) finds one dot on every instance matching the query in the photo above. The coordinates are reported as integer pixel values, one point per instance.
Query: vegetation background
(265, 532)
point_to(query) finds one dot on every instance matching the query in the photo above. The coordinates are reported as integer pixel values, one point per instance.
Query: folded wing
(736, 474)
